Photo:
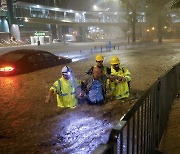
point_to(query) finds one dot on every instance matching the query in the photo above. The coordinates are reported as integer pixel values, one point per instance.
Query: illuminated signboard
(111, 0)
(39, 34)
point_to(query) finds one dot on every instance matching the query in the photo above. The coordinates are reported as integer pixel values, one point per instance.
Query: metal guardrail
(141, 129)
(104, 48)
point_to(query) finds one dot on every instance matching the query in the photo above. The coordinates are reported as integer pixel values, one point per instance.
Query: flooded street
(28, 125)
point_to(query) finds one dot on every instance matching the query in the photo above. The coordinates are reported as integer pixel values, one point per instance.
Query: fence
(102, 48)
(141, 129)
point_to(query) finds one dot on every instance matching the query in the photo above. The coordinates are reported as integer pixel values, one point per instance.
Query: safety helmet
(114, 60)
(99, 57)
(66, 70)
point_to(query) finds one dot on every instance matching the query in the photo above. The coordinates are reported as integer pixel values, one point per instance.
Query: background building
(49, 21)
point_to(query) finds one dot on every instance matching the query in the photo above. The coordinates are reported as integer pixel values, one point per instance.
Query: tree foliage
(176, 4)
(156, 13)
(132, 8)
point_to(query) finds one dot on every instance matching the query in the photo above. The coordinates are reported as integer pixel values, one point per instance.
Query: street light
(26, 19)
(95, 7)
(153, 33)
(147, 32)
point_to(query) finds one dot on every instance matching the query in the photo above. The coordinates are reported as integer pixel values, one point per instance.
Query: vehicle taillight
(6, 69)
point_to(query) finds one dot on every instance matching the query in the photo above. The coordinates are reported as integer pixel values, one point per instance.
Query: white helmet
(66, 70)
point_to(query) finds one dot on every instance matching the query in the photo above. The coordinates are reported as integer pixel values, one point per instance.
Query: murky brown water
(28, 125)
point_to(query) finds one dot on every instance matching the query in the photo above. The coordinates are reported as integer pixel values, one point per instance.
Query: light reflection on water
(9, 87)
(81, 134)
(75, 57)
(13, 106)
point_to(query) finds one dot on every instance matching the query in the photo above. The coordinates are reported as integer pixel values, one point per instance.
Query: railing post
(157, 114)
(113, 138)
(95, 47)
(125, 46)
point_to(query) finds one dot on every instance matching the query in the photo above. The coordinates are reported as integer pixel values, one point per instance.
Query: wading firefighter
(99, 63)
(65, 89)
(120, 86)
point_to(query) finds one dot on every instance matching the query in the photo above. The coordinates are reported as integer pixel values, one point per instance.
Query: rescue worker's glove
(112, 77)
(120, 78)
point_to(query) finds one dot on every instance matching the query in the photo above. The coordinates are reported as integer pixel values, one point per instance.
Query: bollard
(38, 42)
(125, 46)
(68, 54)
(94, 47)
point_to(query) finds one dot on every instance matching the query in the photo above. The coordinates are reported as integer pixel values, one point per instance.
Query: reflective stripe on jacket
(65, 91)
(120, 89)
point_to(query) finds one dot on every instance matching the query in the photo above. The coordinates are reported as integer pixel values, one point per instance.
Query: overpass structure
(44, 21)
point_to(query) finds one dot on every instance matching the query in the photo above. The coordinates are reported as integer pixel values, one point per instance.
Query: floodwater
(28, 125)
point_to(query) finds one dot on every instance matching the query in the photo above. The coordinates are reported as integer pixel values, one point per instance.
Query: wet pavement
(28, 125)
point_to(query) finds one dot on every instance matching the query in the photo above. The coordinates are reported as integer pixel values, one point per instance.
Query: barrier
(141, 129)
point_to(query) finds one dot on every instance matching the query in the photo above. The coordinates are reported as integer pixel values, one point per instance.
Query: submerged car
(28, 60)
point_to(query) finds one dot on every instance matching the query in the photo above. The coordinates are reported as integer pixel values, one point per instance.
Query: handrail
(144, 124)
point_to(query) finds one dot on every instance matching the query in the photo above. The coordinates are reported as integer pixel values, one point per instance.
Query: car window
(49, 57)
(31, 59)
(39, 58)
(12, 57)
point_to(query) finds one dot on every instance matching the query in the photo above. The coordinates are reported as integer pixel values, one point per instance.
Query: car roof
(28, 51)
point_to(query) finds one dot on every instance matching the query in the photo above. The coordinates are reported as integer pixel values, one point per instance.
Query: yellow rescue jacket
(65, 91)
(120, 89)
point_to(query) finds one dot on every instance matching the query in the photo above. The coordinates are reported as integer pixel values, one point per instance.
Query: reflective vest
(120, 89)
(65, 91)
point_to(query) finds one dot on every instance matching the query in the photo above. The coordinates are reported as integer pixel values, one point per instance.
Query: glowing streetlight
(153, 28)
(95, 7)
(26, 19)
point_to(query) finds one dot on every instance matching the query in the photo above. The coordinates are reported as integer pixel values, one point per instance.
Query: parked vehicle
(28, 60)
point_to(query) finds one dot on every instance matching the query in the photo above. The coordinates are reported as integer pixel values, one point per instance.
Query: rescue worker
(65, 89)
(95, 87)
(99, 63)
(120, 84)
(105, 70)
